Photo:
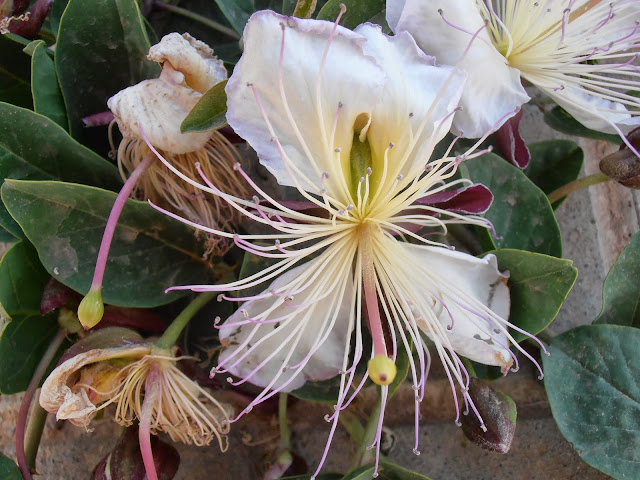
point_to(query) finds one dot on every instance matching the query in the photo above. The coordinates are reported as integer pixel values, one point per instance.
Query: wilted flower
(116, 366)
(350, 119)
(581, 53)
(159, 106)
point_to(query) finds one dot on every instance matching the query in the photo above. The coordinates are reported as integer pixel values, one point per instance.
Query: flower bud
(91, 309)
(624, 165)
(499, 414)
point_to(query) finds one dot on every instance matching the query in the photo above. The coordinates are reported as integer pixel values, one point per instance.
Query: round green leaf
(538, 285)
(22, 279)
(554, 163)
(150, 251)
(621, 293)
(593, 384)
(520, 212)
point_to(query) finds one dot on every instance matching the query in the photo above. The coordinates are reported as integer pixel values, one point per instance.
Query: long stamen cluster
(353, 249)
(557, 45)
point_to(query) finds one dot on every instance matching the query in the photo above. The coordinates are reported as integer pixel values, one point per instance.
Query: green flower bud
(91, 309)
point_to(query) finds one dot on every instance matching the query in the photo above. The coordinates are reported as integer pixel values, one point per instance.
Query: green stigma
(382, 370)
(91, 309)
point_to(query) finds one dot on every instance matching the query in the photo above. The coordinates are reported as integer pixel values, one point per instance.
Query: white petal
(393, 12)
(191, 57)
(494, 90)
(474, 279)
(334, 309)
(348, 77)
(414, 89)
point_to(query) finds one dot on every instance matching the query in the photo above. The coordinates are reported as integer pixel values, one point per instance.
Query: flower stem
(577, 185)
(23, 413)
(112, 221)
(33, 432)
(304, 8)
(171, 334)
(362, 455)
(352, 425)
(285, 433)
(199, 18)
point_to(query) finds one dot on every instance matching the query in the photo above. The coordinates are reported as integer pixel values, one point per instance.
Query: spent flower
(581, 53)
(350, 119)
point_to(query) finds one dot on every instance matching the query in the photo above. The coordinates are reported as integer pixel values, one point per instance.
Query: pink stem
(151, 387)
(23, 413)
(116, 210)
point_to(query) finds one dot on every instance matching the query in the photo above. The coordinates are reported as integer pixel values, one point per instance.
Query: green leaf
(621, 293)
(237, 12)
(5, 235)
(325, 391)
(47, 97)
(358, 11)
(520, 212)
(538, 285)
(55, 14)
(387, 471)
(15, 74)
(22, 280)
(32, 147)
(402, 368)
(94, 65)
(554, 163)
(209, 113)
(593, 384)
(22, 344)
(8, 469)
(322, 476)
(150, 251)
(559, 119)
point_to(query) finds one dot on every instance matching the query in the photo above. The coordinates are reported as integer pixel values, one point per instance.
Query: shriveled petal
(300, 93)
(191, 57)
(464, 280)
(418, 98)
(494, 90)
(328, 316)
(159, 106)
(56, 395)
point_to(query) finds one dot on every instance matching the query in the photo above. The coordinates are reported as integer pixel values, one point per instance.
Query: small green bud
(91, 309)
(382, 370)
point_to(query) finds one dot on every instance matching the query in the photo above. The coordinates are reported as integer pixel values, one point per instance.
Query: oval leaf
(554, 163)
(593, 384)
(14, 74)
(621, 293)
(150, 251)
(209, 113)
(559, 119)
(22, 280)
(33, 147)
(83, 56)
(538, 285)
(47, 97)
(520, 212)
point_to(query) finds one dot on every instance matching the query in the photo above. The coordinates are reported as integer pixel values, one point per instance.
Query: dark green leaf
(22, 344)
(150, 251)
(325, 391)
(621, 293)
(593, 384)
(538, 285)
(93, 64)
(57, 9)
(15, 74)
(209, 113)
(22, 279)
(32, 147)
(387, 471)
(559, 119)
(47, 97)
(237, 12)
(402, 368)
(5, 235)
(554, 163)
(358, 11)
(520, 212)
(8, 469)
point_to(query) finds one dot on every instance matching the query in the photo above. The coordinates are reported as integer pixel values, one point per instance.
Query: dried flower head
(158, 107)
(116, 366)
